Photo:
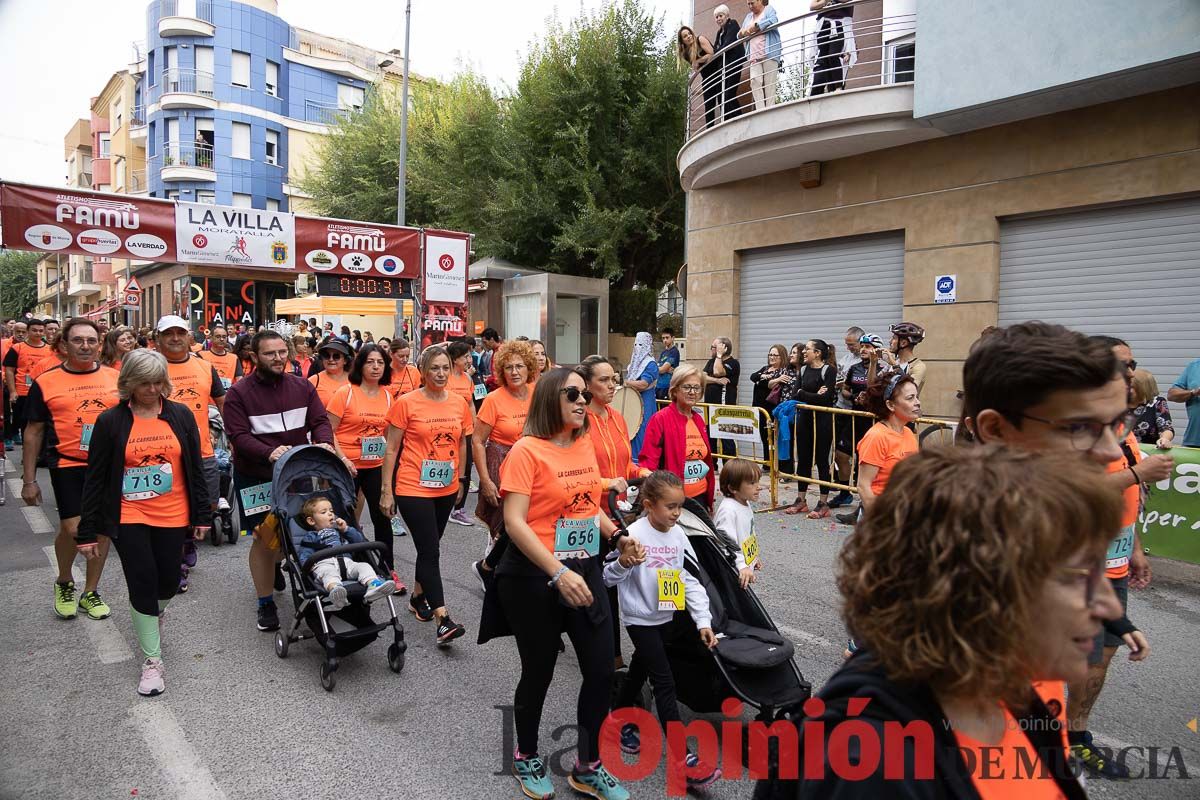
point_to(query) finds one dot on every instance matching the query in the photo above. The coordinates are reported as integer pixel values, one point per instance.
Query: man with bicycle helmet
(905, 337)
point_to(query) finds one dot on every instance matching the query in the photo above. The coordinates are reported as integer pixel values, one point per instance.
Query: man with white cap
(196, 384)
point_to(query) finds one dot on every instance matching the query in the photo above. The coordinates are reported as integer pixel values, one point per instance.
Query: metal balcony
(185, 18)
(186, 88)
(137, 123)
(185, 161)
(82, 283)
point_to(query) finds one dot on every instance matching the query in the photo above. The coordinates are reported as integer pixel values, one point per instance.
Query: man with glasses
(1041, 386)
(267, 413)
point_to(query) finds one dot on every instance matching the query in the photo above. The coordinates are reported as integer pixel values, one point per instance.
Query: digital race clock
(364, 286)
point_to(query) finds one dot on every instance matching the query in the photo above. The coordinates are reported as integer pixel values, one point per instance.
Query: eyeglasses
(574, 393)
(519, 366)
(1093, 575)
(1084, 434)
(691, 388)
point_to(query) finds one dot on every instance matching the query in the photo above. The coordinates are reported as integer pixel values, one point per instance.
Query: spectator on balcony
(765, 51)
(836, 51)
(203, 151)
(698, 52)
(731, 61)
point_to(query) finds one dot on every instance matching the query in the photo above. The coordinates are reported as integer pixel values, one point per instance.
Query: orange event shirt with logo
(463, 386)
(1132, 497)
(195, 384)
(225, 365)
(360, 417)
(404, 381)
(506, 414)
(433, 431)
(24, 358)
(153, 443)
(560, 482)
(610, 441)
(326, 385)
(696, 450)
(885, 448)
(45, 365)
(68, 403)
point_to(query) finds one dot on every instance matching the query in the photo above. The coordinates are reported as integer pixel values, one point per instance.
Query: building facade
(957, 184)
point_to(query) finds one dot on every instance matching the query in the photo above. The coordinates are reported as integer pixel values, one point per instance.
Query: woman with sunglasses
(549, 582)
(426, 433)
(894, 402)
(335, 356)
(677, 438)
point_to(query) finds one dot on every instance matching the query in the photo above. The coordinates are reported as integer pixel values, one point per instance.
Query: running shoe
(401, 589)
(531, 773)
(183, 579)
(1097, 760)
(820, 512)
(398, 527)
(65, 604)
(222, 504)
(378, 588)
(474, 488)
(798, 507)
(279, 584)
(420, 608)
(448, 630)
(93, 606)
(151, 683)
(692, 761)
(8, 445)
(842, 498)
(631, 741)
(598, 783)
(337, 597)
(849, 518)
(460, 517)
(484, 576)
(268, 617)
(189, 553)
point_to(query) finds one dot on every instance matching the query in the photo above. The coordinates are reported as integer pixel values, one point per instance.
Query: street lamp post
(400, 190)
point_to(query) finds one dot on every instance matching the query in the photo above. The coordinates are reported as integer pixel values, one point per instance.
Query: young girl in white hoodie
(650, 592)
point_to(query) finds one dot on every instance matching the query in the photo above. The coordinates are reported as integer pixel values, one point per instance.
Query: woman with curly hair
(975, 585)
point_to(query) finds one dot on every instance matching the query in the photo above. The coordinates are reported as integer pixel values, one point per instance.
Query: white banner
(738, 423)
(445, 269)
(248, 237)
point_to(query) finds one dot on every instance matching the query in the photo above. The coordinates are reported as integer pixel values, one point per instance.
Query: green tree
(18, 282)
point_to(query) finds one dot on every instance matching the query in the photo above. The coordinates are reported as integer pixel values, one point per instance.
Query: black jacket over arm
(106, 466)
(735, 56)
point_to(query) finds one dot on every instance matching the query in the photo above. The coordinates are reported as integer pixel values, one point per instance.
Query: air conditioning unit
(303, 282)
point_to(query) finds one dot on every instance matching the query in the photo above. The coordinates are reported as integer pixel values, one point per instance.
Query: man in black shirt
(722, 371)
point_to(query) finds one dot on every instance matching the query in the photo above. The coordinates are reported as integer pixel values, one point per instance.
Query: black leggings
(538, 619)
(805, 428)
(150, 559)
(426, 518)
(466, 472)
(650, 660)
(370, 482)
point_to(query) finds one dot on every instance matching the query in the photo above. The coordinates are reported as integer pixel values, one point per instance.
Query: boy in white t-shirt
(735, 517)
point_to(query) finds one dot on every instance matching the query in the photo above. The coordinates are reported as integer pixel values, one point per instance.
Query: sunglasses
(1131, 366)
(573, 394)
(332, 355)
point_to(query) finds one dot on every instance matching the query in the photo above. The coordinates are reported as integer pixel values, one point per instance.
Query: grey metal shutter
(817, 291)
(1132, 272)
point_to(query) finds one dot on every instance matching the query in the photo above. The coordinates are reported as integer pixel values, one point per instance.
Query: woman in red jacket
(677, 438)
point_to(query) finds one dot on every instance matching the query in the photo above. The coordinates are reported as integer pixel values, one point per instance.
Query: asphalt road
(237, 722)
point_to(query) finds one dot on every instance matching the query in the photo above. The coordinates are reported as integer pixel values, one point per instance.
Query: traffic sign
(945, 289)
(133, 286)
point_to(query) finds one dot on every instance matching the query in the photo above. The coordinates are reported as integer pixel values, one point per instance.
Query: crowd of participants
(1036, 517)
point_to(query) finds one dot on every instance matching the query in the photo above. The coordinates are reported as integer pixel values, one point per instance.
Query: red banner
(441, 322)
(86, 223)
(343, 247)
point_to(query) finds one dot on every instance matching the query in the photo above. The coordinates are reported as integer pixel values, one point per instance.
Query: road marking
(14, 488)
(183, 770)
(109, 643)
(798, 635)
(9, 466)
(37, 519)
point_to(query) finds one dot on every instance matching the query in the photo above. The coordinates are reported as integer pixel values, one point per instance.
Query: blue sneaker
(693, 761)
(534, 779)
(631, 742)
(598, 783)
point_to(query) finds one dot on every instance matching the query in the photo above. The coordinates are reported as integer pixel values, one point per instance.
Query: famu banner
(1170, 522)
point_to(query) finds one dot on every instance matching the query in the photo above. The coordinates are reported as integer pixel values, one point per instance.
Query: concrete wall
(947, 195)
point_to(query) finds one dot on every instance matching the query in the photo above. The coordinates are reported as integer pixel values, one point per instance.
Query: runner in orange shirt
(405, 377)
(117, 343)
(336, 356)
(228, 367)
(431, 425)
(894, 401)
(462, 385)
(19, 364)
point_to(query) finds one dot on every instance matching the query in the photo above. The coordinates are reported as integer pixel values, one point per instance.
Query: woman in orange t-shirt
(335, 359)
(498, 425)
(358, 413)
(431, 424)
(462, 385)
(552, 491)
(147, 497)
(894, 401)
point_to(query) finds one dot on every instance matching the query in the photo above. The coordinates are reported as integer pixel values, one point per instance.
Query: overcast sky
(55, 55)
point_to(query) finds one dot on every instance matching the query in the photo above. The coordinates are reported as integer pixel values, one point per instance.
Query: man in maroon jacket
(267, 413)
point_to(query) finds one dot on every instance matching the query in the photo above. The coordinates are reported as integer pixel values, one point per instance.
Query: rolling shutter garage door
(817, 291)
(1132, 272)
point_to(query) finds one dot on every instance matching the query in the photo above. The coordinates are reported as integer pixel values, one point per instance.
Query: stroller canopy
(305, 470)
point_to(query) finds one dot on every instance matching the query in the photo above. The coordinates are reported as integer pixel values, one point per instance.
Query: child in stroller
(324, 530)
(650, 591)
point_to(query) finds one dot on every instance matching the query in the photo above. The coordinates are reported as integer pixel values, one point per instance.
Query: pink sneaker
(151, 683)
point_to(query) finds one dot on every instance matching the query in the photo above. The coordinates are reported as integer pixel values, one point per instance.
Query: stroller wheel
(214, 533)
(281, 644)
(395, 657)
(328, 678)
(231, 533)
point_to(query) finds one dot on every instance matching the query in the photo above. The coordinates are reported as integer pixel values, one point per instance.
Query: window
(150, 66)
(272, 147)
(204, 71)
(105, 145)
(170, 69)
(242, 200)
(272, 204)
(241, 140)
(172, 194)
(349, 96)
(272, 85)
(117, 115)
(241, 69)
(206, 196)
(904, 58)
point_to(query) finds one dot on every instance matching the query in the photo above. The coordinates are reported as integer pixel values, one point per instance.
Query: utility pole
(400, 189)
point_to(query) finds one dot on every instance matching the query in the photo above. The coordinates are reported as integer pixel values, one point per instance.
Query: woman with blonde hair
(677, 438)
(1152, 418)
(697, 52)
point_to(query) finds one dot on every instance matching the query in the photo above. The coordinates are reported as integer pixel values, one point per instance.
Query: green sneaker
(532, 775)
(64, 600)
(94, 606)
(598, 783)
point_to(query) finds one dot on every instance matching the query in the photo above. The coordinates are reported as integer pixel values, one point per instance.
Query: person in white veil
(641, 375)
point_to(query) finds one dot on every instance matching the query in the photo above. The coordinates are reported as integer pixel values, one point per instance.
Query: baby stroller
(753, 662)
(222, 526)
(300, 474)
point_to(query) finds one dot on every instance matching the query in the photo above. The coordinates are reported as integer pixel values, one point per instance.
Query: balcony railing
(186, 154)
(813, 54)
(198, 9)
(137, 117)
(188, 81)
(324, 113)
(139, 51)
